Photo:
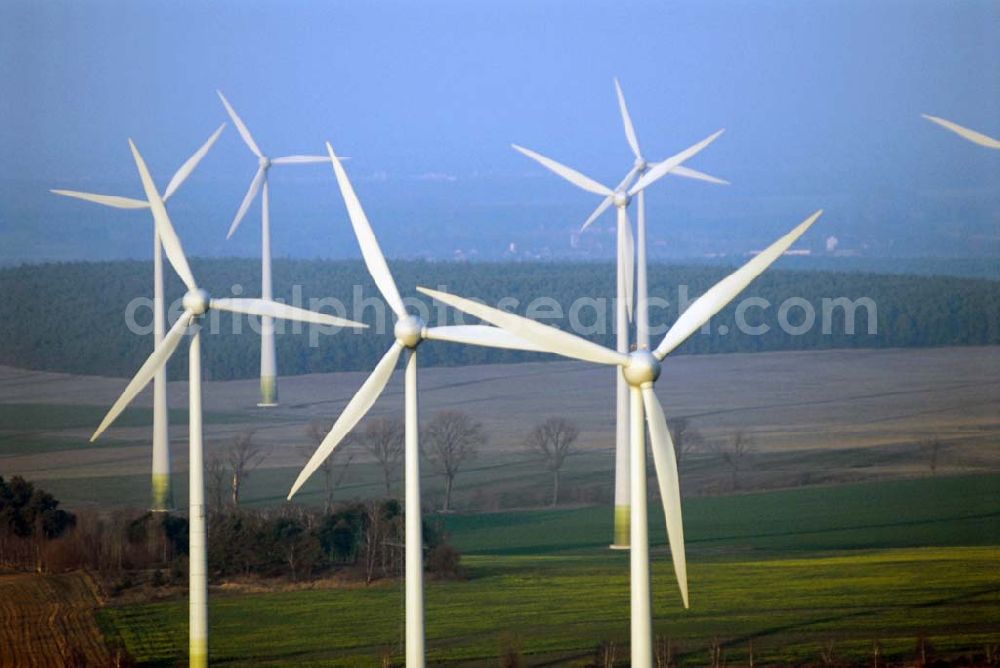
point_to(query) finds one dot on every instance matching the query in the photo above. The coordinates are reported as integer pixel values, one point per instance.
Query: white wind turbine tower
(621, 197)
(409, 331)
(162, 495)
(640, 369)
(268, 364)
(197, 303)
(971, 135)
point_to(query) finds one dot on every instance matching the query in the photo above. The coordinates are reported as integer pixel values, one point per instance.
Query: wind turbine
(410, 331)
(162, 496)
(971, 135)
(621, 197)
(268, 364)
(639, 168)
(640, 369)
(197, 303)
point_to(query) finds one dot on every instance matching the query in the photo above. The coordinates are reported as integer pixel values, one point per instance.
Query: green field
(795, 572)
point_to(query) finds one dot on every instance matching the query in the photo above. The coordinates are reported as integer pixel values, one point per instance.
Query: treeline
(357, 540)
(72, 317)
(30, 519)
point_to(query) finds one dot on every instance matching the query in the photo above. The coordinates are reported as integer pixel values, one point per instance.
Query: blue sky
(821, 102)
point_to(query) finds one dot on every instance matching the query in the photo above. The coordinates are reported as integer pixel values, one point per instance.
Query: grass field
(795, 572)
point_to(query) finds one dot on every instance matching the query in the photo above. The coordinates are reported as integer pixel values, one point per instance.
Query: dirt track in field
(48, 620)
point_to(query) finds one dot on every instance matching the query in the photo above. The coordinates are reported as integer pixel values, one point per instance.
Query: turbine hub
(642, 368)
(409, 331)
(621, 199)
(641, 165)
(196, 301)
(264, 162)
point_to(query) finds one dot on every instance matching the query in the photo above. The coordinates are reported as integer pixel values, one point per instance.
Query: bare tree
(244, 457)
(450, 439)
(932, 448)
(335, 466)
(383, 437)
(607, 654)
(663, 652)
(553, 440)
(716, 654)
(381, 539)
(736, 454)
(686, 438)
(827, 653)
(215, 480)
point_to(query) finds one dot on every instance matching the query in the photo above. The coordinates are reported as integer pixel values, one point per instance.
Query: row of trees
(451, 439)
(911, 311)
(360, 540)
(363, 539)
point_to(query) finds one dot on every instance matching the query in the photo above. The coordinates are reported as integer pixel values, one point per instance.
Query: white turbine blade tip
(356, 409)
(668, 480)
(546, 337)
(371, 252)
(145, 374)
(633, 140)
(719, 295)
(575, 177)
(964, 132)
(240, 126)
(663, 168)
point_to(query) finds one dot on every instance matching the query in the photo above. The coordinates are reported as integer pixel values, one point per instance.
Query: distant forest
(71, 317)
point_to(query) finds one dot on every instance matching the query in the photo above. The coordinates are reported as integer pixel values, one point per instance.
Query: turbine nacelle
(621, 198)
(409, 331)
(642, 369)
(640, 165)
(264, 162)
(196, 301)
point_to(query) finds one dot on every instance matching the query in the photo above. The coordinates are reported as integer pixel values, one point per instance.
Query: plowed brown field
(48, 620)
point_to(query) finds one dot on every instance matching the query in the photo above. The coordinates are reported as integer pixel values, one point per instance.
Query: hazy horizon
(427, 99)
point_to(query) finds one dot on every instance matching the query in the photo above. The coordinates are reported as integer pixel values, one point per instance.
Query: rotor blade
(971, 135)
(107, 200)
(601, 208)
(606, 202)
(240, 126)
(626, 256)
(628, 178)
(273, 309)
(164, 228)
(481, 335)
(352, 414)
(548, 339)
(633, 141)
(568, 173)
(723, 292)
(258, 180)
(146, 372)
(665, 462)
(656, 173)
(189, 165)
(689, 173)
(370, 250)
(300, 159)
